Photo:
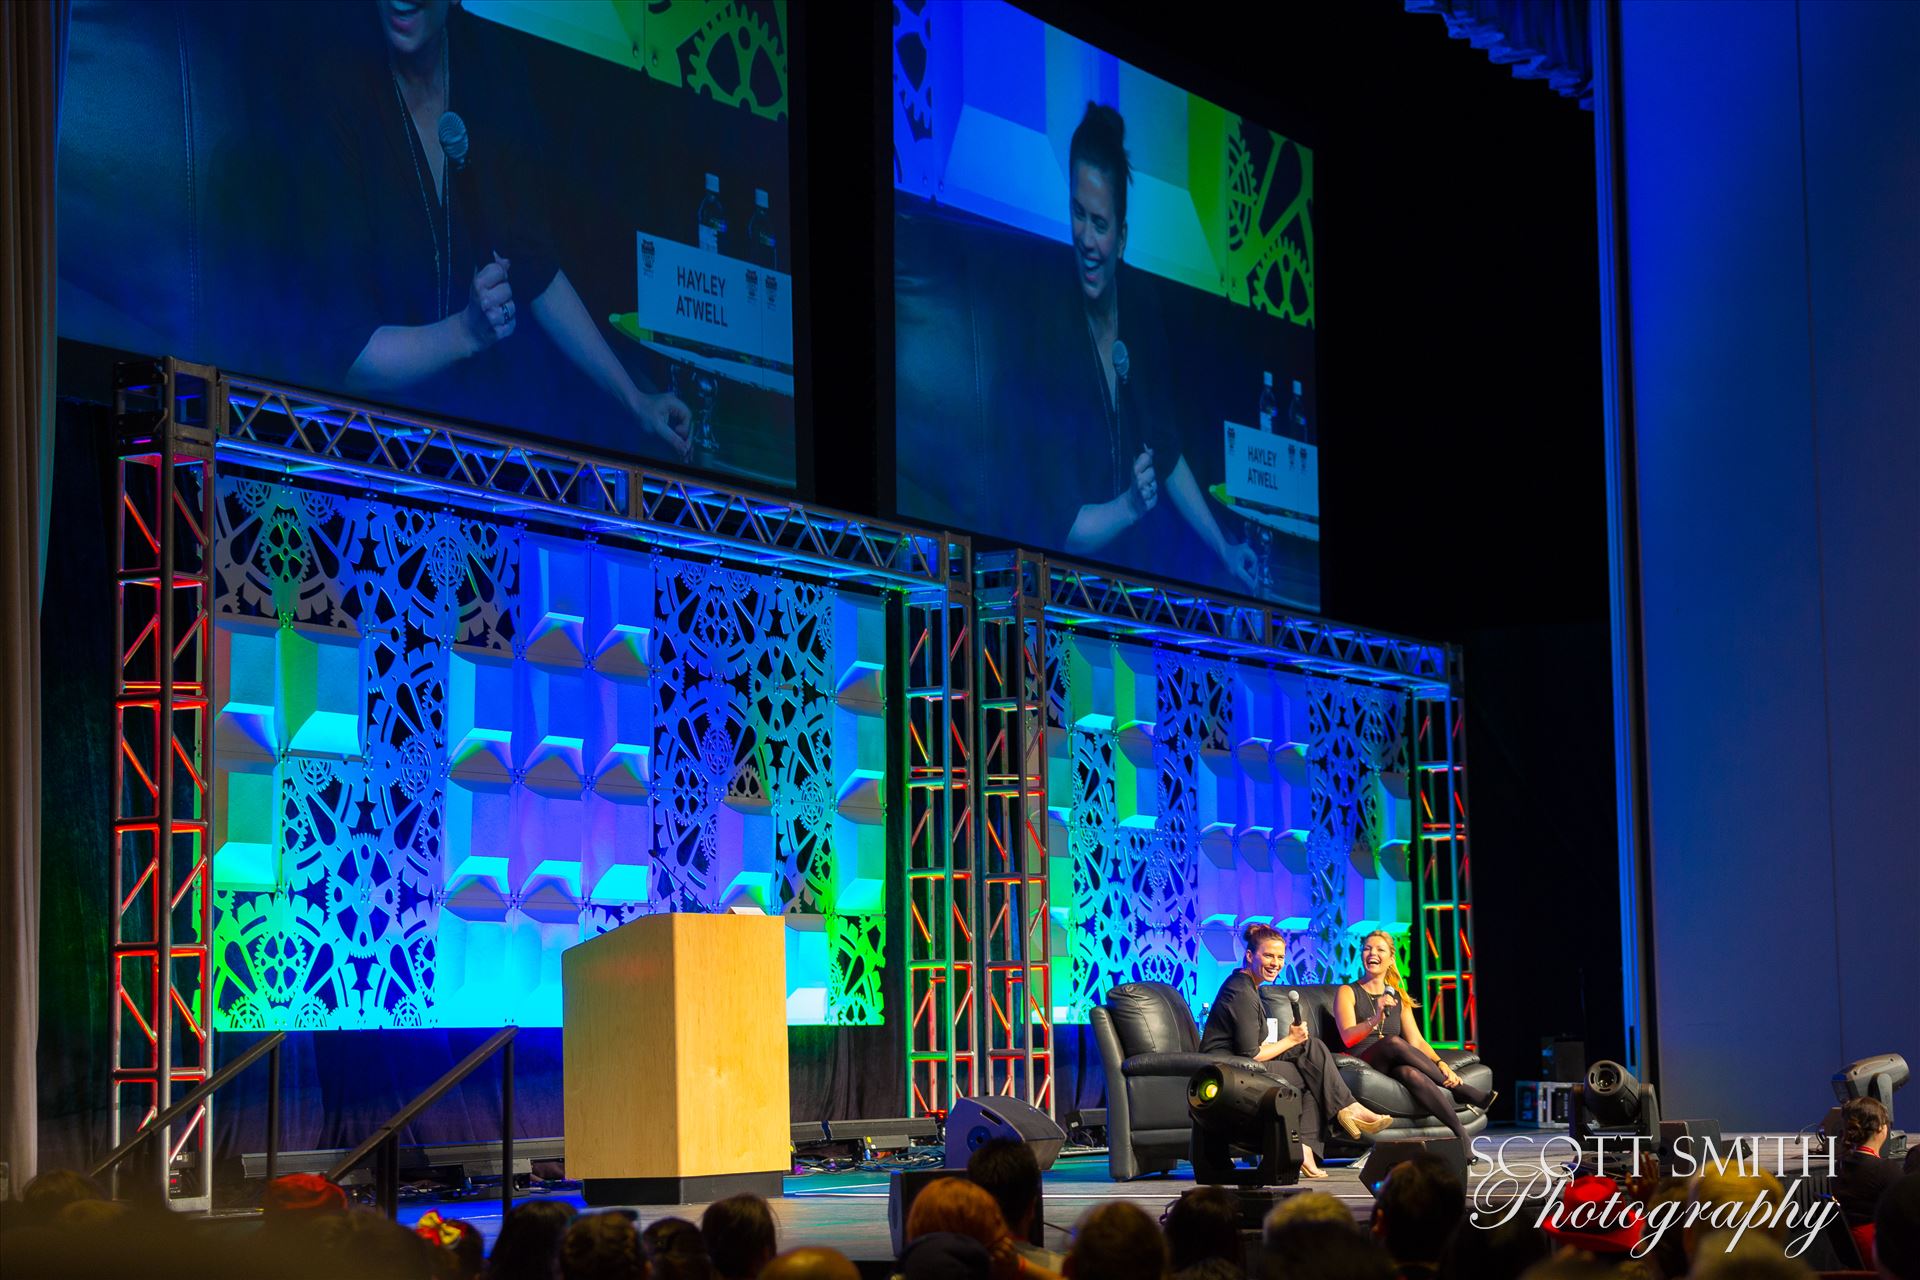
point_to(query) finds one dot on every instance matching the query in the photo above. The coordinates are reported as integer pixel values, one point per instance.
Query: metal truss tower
(1015, 969)
(161, 933)
(1443, 943)
(942, 1034)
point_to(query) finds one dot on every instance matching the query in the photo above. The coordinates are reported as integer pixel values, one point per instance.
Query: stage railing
(268, 1048)
(384, 1144)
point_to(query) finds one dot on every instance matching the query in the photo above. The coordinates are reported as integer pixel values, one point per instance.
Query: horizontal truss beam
(283, 430)
(1146, 609)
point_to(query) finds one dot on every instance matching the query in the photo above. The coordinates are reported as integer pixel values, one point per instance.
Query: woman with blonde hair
(1378, 1025)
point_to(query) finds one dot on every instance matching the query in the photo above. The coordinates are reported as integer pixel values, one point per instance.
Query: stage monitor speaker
(974, 1122)
(1387, 1153)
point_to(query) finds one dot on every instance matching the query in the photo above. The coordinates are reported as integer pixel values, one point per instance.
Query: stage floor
(848, 1211)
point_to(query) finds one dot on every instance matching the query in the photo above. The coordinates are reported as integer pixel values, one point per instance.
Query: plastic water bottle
(1297, 416)
(1269, 406)
(760, 242)
(713, 217)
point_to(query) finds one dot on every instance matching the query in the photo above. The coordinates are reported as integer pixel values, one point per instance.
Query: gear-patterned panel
(452, 748)
(1278, 805)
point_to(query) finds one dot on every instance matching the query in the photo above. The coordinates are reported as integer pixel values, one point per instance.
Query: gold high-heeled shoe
(1350, 1121)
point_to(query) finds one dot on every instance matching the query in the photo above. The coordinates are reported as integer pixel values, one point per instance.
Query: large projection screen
(1053, 204)
(264, 187)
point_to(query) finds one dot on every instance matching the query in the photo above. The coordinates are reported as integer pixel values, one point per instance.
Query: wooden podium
(675, 1052)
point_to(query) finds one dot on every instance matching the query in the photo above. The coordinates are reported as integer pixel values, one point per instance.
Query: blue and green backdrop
(449, 748)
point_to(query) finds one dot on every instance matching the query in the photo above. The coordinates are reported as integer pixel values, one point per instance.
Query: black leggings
(1422, 1078)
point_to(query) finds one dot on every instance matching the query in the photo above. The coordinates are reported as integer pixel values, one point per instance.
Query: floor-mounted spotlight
(1235, 1107)
(1612, 1103)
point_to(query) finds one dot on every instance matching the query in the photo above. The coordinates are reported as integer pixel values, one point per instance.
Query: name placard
(723, 302)
(1272, 470)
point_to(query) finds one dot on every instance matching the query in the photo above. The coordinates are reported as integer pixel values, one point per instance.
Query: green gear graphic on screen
(725, 51)
(1269, 251)
(733, 51)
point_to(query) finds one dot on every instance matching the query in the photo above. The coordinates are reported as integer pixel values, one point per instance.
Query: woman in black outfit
(419, 293)
(1863, 1177)
(1237, 1024)
(1117, 496)
(1377, 1023)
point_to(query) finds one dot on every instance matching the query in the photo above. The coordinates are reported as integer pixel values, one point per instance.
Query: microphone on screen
(1122, 373)
(479, 202)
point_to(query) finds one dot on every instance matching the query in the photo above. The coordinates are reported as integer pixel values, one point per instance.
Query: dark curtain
(32, 51)
(1540, 39)
(1079, 1080)
(848, 1073)
(337, 1086)
(76, 752)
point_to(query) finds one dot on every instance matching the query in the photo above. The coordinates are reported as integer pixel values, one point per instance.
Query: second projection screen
(1104, 309)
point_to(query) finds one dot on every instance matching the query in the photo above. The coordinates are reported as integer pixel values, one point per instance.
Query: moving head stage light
(1237, 1107)
(1877, 1078)
(1611, 1103)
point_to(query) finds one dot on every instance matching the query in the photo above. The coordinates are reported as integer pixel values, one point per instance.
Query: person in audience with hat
(295, 1199)
(1594, 1215)
(463, 1250)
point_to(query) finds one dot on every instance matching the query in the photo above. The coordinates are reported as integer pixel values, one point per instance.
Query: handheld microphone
(1122, 377)
(479, 202)
(1293, 998)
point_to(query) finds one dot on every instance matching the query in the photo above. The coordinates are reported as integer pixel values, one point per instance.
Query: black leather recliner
(1150, 1048)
